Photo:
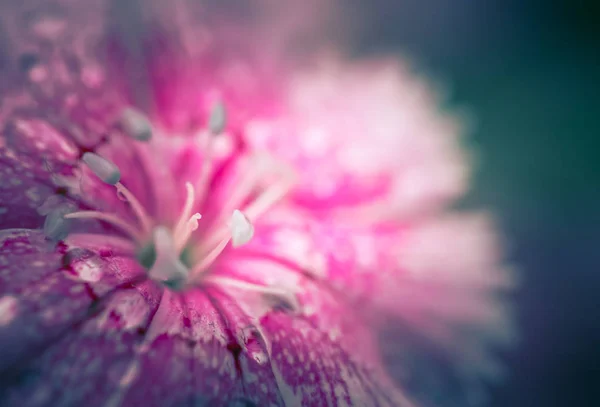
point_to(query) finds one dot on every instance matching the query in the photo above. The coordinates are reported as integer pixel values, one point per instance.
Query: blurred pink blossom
(190, 216)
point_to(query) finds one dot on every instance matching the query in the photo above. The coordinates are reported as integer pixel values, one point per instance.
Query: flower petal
(311, 368)
(438, 278)
(301, 359)
(91, 362)
(366, 136)
(54, 289)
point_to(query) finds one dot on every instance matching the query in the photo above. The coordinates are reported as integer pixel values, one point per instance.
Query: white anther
(135, 124)
(241, 229)
(218, 118)
(187, 210)
(104, 169)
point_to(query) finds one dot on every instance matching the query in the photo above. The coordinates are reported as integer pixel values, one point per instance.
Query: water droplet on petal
(85, 265)
(9, 308)
(48, 27)
(282, 300)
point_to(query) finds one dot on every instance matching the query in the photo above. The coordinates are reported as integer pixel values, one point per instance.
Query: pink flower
(248, 235)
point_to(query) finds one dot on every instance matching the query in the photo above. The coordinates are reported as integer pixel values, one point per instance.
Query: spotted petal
(437, 280)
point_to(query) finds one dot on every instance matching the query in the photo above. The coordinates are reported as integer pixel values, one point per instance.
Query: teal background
(530, 73)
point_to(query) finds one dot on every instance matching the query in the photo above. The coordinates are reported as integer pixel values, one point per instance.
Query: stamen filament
(137, 207)
(206, 170)
(108, 218)
(209, 258)
(187, 210)
(190, 226)
(244, 188)
(268, 198)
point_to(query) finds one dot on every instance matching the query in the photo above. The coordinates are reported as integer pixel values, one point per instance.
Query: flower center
(170, 253)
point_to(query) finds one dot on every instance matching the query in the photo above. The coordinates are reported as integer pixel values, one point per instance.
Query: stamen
(260, 166)
(187, 210)
(241, 233)
(135, 124)
(110, 174)
(104, 169)
(216, 125)
(268, 198)
(209, 258)
(136, 206)
(241, 229)
(275, 297)
(218, 118)
(108, 218)
(56, 227)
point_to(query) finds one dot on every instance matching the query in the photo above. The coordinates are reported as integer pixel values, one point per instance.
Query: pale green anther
(135, 124)
(104, 169)
(146, 256)
(56, 227)
(218, 118)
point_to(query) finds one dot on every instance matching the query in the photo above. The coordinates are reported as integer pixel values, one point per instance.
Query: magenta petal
(24, 186)
(91, 362)
(327, 342)
(311, 369)
(80, 324)
(54, 290)
(195, 357)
